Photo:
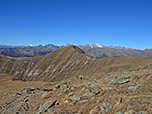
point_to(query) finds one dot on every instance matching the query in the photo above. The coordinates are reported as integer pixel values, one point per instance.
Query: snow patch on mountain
(94, 45)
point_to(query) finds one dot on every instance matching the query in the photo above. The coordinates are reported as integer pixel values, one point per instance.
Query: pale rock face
(94, 45)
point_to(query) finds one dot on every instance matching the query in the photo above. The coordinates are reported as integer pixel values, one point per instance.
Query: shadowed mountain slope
(28, 51)
(65, 63)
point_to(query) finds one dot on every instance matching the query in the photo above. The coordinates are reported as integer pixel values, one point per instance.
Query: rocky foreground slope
(122, 92)
(65, 63)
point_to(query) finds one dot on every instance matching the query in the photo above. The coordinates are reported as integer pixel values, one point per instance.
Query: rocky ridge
(64, 63)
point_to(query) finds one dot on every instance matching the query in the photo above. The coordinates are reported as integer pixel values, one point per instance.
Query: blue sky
(109, 22)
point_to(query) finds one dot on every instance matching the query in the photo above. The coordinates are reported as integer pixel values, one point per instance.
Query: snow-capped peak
(94, 45)
(30, 45)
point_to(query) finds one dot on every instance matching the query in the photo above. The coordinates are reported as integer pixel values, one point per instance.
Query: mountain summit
(96, 45)
(64, 63)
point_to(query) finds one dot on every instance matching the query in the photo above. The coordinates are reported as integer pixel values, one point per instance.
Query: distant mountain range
(65, 63)
(96, 50)
(9, 47)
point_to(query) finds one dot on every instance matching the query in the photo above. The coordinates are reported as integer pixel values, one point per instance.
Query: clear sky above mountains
(109, 22)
